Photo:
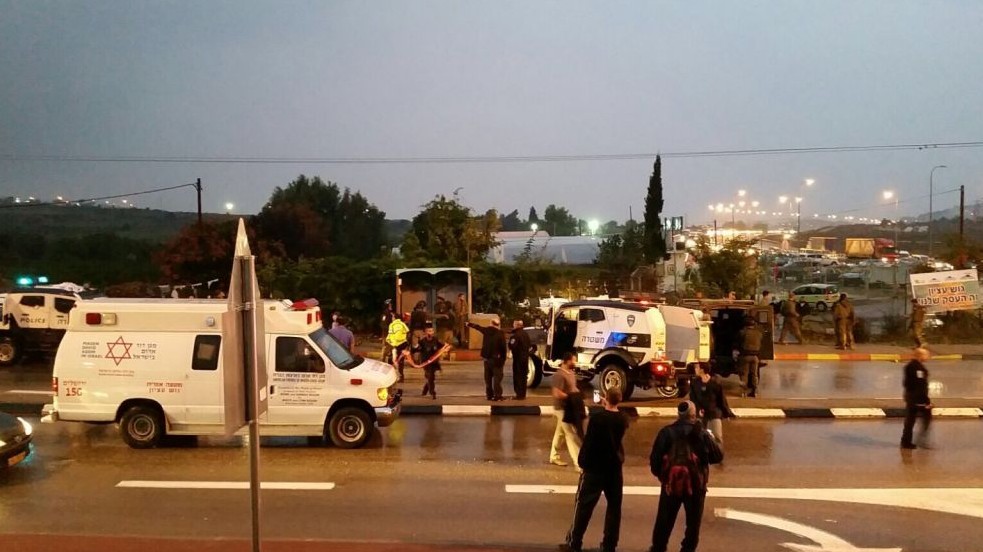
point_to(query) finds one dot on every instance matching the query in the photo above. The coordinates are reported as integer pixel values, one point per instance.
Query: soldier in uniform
(790, 320)
(748, 362)
(520, 346)
(430, 350)
(843, 320)
(917, 323)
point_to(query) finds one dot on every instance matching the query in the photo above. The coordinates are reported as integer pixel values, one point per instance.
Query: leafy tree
(511, 222)
(533, 217)
(204, 252)
(621, 254)
(448, 232)
(654, 240)
(314, 218)
(732, 268)
(559, 222)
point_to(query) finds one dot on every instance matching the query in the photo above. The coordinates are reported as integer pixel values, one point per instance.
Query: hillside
(57, 221)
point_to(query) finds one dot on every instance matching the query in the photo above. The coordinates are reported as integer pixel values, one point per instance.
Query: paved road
(783, 383)
(447, 481)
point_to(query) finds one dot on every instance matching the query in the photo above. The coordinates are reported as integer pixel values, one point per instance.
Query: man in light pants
(564, 385)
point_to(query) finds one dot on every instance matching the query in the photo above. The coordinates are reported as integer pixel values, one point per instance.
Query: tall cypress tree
(654, 243)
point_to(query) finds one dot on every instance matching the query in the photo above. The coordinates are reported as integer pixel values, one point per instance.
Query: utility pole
(962, 210)
(198, 189)
(931, 192)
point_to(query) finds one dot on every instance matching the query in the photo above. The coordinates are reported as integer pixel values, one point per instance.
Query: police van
(33, 320)
(155, 367)
(627, 345)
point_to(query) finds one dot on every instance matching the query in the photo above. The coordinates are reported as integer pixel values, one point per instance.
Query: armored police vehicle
(33, 320)
(626, 345)
(727, 319)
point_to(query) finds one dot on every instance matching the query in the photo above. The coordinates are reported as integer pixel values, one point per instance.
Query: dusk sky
(490, 79)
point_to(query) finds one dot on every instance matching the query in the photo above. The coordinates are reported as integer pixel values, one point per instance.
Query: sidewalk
(85, 543)
(875, 352)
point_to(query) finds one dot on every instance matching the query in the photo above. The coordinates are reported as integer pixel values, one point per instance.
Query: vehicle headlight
(2, 443)
(28, 430)
(383, 393)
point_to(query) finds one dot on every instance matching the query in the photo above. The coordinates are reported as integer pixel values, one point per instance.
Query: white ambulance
(154, 366)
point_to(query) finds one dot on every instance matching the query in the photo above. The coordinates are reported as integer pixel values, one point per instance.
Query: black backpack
(681, 471)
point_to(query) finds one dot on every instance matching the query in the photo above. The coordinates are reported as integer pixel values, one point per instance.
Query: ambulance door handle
(272, 389)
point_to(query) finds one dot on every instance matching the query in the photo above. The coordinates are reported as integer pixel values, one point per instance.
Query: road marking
(222, 485)
(30, 392)
(857, 412)
(967, 412)
(959, 501)
(885, 357)
(827, 542)
(465, 410)
(660, 411)
(759, 412)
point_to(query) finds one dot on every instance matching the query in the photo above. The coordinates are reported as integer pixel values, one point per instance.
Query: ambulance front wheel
(142, 427)
(350, 427)
(535, 373)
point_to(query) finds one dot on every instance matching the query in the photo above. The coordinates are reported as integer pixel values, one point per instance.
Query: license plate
(13, 460)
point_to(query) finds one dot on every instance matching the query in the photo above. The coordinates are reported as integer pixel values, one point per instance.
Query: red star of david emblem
(117, 355)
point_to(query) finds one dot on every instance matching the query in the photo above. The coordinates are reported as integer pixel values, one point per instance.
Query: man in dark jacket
(520, 346)
(493, 351)
(711, 403)
(916, 399)
(600, 458)
(705, 451)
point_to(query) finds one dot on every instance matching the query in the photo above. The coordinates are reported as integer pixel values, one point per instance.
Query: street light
(535, 228)
(888, 195)
(229, 206)
(741, 193)
(810, 181)
(931, 174)
(593, 225)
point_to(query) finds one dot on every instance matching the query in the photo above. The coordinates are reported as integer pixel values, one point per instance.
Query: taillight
(93, 318)
(54, 385)
(659, 368)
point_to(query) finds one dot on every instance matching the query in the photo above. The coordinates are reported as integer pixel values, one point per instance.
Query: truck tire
(668, 391)
(9, 350)
(821, 306)
(535, 376)
(142, 427)
(350, 427)
(614, 376)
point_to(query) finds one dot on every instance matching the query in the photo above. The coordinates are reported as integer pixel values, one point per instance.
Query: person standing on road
(916, 399)
(680, 459)
(748, 363)
(791, 320)
(707, 394)
(461, 313)
(521, 346)
(396, 342)
(493, 351)
(388, 315)
(430, 350)
(564, 386)
(601, 459)
(916, 325)
(341, 332)
(418, 322)
(843, 318)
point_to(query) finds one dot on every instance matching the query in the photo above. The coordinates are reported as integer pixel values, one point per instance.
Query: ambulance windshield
(337, 353)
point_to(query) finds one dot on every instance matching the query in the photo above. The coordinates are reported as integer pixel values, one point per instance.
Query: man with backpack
(680, 459)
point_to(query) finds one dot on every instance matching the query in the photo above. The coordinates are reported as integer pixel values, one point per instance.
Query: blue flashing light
(25, 281)
(42, 279)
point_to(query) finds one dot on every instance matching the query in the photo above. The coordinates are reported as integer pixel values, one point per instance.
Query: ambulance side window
(32, 301)
(294, 354)
(206, 352)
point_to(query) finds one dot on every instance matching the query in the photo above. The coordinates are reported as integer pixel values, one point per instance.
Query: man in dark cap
(493, 351)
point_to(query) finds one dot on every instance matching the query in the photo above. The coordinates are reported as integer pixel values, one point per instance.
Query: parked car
(816, 296)
(15, 440)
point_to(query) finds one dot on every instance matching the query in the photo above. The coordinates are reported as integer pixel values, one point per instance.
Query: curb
(670, 412)
(868, 357)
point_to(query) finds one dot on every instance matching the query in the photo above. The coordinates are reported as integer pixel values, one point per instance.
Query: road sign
(947, 291)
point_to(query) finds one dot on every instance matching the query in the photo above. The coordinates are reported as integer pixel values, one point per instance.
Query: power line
(485, 159)
(103, 198)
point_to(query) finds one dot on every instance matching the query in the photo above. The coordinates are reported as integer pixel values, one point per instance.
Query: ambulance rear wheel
(615, 377)
(350, 428)
(9, 350)
(142, 427)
